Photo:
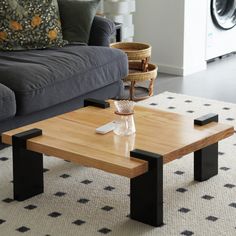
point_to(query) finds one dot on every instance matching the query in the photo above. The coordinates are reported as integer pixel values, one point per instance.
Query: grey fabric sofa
(39, 84)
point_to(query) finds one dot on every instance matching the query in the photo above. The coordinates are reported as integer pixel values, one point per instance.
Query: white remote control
(106, 128)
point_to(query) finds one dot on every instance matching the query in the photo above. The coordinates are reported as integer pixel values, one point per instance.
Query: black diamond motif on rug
(104, 230)
(171, 108)
(54, 214)
(187, 233)
(8, 200)
(212, 218)
(206, 104)
(79, 222)
(221, 153)
(178, 172)
(224, 168)
(83, 200)
(30, 207)
(107, 208)
(226, 108)
(230, 119)
(65, 176)
(86, 181)
(207, 197)
(2, 221)
(45, 170)
(229, 185)
(3, 158)
(190, 111)
(23, 229)
(59, 194)
(181, 190)
(153, 104)
(170, 97)
(233, 204)
(109, 188)
(188, 101)
(184, 210)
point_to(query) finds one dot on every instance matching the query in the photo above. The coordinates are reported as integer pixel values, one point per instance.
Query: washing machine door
(223, 13)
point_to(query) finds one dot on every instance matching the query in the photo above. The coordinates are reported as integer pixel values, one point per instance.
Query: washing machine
(221, 29)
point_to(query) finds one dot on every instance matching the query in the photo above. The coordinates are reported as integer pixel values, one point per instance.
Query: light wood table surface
(72, 137)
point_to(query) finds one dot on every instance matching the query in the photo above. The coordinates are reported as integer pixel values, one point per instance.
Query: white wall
(175, 32)
(195, 29)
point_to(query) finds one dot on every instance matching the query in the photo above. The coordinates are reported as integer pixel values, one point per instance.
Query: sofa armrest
(101, 31)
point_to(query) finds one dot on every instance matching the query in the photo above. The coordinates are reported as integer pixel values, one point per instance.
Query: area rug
(85, 201)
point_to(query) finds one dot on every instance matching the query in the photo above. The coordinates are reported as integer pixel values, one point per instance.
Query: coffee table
(161, 137)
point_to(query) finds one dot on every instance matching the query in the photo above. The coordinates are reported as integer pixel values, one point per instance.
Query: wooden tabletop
(72, 137)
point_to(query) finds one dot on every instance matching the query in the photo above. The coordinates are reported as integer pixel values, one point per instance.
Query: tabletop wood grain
(72, 136)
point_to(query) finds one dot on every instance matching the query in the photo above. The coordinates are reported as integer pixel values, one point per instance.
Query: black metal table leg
(27, 167)
(206, 163)
(206, 159)
(146, 191)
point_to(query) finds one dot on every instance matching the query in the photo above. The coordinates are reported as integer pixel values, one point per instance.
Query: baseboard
(169, 69)
(180, 71)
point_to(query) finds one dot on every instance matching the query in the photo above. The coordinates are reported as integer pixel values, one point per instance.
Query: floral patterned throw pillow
(30, 24)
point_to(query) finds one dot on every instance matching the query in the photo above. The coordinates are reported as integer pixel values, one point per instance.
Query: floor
(217, 82)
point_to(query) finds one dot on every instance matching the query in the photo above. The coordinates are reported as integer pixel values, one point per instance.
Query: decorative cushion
(27, 24)
(77, 18)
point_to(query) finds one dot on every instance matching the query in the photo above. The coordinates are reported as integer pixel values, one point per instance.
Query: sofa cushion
(101, 32)
(7, 103)
(43, 78)
(77, 18)
(29, 24)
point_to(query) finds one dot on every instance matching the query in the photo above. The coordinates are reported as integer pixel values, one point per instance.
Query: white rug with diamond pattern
(84, 201)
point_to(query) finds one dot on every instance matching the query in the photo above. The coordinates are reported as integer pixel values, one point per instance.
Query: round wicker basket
(134, 51)
(136, 72)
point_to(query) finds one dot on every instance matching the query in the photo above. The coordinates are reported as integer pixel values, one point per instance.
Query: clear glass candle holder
(125, 118)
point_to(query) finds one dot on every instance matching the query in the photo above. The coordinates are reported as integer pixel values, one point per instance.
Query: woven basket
(134, 51)
(136, 73)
